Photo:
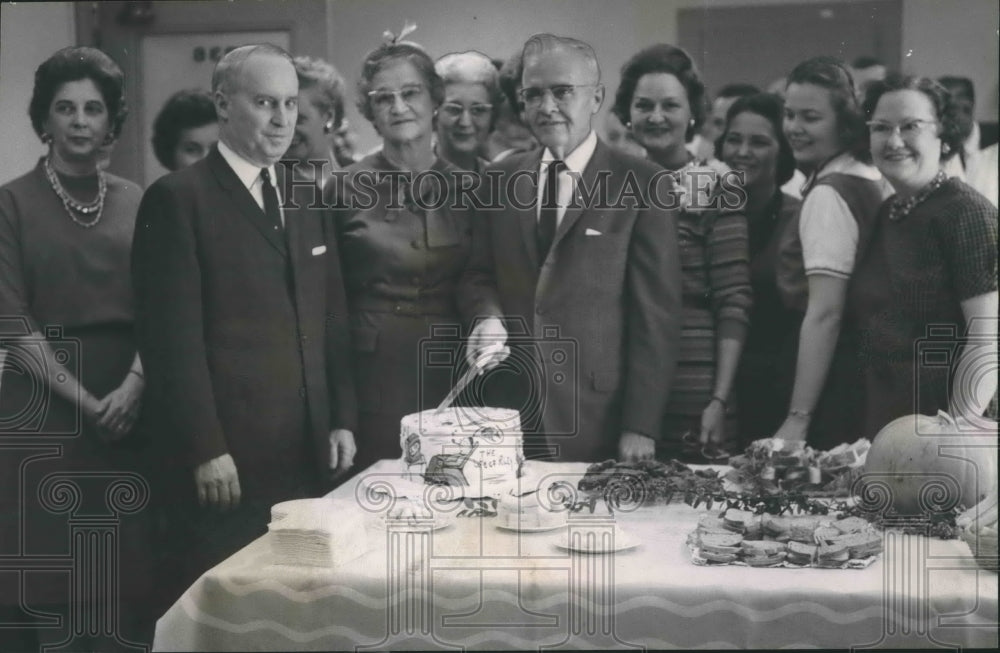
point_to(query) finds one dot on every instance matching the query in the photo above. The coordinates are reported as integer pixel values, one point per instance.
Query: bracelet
(137, 373)
(719, 399)
(803, 414)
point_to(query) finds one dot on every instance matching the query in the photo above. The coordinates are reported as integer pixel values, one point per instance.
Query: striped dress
(715, 265)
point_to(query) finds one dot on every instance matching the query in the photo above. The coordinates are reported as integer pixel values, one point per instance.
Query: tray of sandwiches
(741, 538)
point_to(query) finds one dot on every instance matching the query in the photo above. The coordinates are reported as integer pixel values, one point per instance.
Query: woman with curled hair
(65, 237)
(185, 129)
(404, 241)
(468, 114)
(753, 144)
(825, 126)
(932, 261)
(313, 152)
(661, 102)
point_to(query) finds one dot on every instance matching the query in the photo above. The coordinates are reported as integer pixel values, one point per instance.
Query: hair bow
(394, 39)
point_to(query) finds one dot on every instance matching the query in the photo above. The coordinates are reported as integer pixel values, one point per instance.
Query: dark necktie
(271, 209)
(549, 210)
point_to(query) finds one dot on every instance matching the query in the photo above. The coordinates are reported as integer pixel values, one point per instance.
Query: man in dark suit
(604, 279)
(242, 327)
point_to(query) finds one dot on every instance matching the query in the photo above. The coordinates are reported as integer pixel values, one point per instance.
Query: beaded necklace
(95, 208)
(900, 207)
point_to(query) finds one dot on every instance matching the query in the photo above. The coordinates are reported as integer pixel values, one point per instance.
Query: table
(472, 585)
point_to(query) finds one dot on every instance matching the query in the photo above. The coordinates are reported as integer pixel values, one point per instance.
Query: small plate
(622, 542)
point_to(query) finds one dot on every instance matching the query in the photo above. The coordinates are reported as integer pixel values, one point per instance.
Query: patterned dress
(715, 266)
(906, 297)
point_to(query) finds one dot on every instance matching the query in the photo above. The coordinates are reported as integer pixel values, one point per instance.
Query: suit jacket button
(398, 308)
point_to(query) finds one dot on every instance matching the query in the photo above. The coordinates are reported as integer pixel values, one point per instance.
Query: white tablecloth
(475, 586)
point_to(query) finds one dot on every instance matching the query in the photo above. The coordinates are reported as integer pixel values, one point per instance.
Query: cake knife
(463, 381)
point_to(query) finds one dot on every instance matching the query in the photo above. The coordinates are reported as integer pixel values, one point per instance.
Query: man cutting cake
(606, 279)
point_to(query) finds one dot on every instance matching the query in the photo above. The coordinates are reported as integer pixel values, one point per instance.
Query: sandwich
(709, 523)
(754, 528)
(736, 520)
(861, 545)
(832, 555)
(851, 525)
(720, 547)
(762, 553)
(826, 534)
(801, 554)
(803, 528)
(777, 527)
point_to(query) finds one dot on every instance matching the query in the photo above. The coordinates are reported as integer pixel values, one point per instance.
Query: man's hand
(342, 451)
(487, 346)
(634, 447)
(218, 483)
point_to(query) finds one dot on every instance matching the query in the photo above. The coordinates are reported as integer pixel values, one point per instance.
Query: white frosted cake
(317, 532)
(476, 448)
(526, 512)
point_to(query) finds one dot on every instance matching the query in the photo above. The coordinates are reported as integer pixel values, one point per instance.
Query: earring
(108, 139)
(328, 127)
(46, 138)
(628, 125)
(692, 122)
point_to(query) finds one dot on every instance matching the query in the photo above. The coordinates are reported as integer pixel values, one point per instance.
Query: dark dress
(401, 265)
(906, 297)
(767, 366)
(72, 284)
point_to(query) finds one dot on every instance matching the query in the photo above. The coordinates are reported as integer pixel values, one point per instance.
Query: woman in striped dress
(660, 100)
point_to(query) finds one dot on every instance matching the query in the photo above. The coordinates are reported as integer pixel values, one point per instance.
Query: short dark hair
(73, 64)
(662, 58)
(317, 73)
(833, 75)
(184, 110)
(963, 85)
(388, 52)
(770, 107)
(942, 100)
(737, 90)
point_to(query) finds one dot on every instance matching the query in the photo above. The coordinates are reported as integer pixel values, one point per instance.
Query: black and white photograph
(364, 325)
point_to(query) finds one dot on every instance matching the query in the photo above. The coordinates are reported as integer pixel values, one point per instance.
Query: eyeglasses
(454, 110)
(384, 98)
(708, 451)
(533, 96)
(908, 129)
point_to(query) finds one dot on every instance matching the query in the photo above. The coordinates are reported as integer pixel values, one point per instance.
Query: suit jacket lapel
(243, 201)
(599, 161)
(526, 193)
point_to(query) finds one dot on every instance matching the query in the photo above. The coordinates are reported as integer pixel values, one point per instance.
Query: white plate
(530, 529)
(623, 542)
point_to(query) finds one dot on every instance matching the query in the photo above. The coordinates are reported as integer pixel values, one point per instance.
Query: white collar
(577, 160)
(846, 164)
(247, 172)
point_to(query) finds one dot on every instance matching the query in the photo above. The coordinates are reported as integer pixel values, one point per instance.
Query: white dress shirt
(576, 162)
(249, 175)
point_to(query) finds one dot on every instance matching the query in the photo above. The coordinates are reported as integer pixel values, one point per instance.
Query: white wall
(945, 37)
(29, 33)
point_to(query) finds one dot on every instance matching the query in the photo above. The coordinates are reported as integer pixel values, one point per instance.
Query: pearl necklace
(95, 208)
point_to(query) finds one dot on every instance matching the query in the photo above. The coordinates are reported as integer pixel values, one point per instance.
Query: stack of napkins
(317, 532)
